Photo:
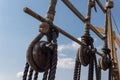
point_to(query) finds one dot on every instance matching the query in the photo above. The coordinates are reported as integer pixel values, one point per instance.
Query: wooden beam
(82, 18)
(74, 10)
(101, 6)
(40, 18)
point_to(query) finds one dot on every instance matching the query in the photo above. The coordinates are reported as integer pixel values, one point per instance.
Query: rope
(30, 74)
(110, 72)
(35, 75)
(46, 72)
(77, 68)
(53, 65)
(25, 71)
(77, 71)
(96, 68)
(99, 73)
(116, 26)
(45, 75)
(91, 69)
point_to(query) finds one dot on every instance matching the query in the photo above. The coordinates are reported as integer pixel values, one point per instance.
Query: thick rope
(99, 73)
(25, 71)
(77, 68)
(45, 75)
(77, 71)
(53, 65)
(96, 68)
(91, 69)
(35, 76)
(110, 72)
(30, 74)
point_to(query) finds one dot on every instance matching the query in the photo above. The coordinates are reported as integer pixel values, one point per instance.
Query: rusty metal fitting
(87, 19)
(44, 27)
(50, 17)
(110, 4)
(92, 3)
(104, 63)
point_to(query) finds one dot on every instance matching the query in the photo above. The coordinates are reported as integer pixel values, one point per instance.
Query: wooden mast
(111, 38)
(111, 41)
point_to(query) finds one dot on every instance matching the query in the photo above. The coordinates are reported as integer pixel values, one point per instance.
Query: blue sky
(18, 29)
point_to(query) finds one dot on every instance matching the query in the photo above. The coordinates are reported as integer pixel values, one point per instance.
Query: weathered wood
(74, 10)
(33, 14)
(40, 18)
(82, 18)
(101, 6)
(51, 10)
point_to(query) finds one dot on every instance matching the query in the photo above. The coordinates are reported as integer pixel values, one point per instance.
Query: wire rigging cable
(116, 26)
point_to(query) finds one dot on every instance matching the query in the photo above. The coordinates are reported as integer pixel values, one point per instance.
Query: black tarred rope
(49, 74)
(99, 73)
(45, 75)
(25, 71)
(96, 68)
(91, 69)
(35, 76)
(54, 56)
(30, 74)
(110, 72)
(53, 67)
(77, 69)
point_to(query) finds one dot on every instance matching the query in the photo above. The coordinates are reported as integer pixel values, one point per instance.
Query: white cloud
(62, 55)
(19, 75)
(65, 63)
(62, 47)
(70, 46)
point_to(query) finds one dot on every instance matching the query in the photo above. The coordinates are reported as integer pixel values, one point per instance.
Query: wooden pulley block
(104, 63)
(84, 55)
(38, 56)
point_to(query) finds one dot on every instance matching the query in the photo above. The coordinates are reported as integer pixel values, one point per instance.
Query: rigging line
(115, 24)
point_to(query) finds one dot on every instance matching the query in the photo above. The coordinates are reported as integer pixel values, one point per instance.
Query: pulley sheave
(38, 56)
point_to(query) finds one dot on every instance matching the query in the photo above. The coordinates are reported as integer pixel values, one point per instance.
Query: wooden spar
(111, 38)
(82, 18)
(112, 47)
(74, 10)
(100, 5)
(116, 39)
(51, 10)
(40, 18)
(33, 14)
(100, 29)
(87, 30)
